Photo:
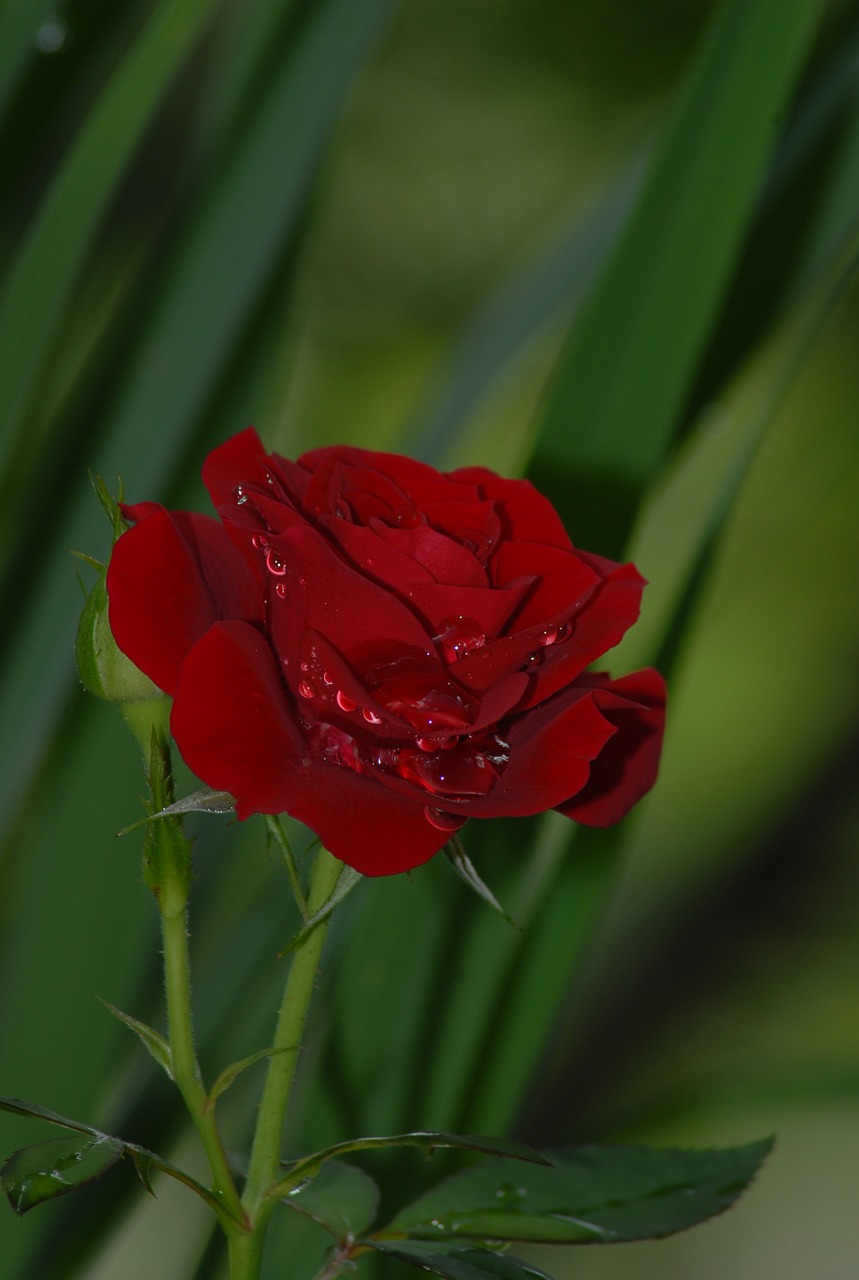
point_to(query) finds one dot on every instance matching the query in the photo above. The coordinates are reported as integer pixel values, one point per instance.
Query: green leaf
(50, 1169)
(345, 884)
(427, 1141)
(21, 1108)
(144, 1161)
(228, 1075)
(590, 1195)
(203, 801)
(461, 1264)
(152, 1039)
(340, 1197)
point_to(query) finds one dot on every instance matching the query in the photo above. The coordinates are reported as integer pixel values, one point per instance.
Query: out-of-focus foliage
(610, 245)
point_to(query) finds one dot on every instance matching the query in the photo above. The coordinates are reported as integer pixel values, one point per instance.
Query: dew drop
(306, 689)
(280, 590)
(327, 678)
(274, 564)
(370, 716)
(442, 821)
(305, 666)
(459, 636)
(555, 634)
(343, 510)
(344, 702)
(260, 541)
(240, 496)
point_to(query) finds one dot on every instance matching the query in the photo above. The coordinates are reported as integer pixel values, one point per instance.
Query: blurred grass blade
(633, 351)
(545, 288)
(20, 23)
(534, 988)
(215, 281)
(48, 264)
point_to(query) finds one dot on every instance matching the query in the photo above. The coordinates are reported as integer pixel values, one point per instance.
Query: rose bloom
(383, 650)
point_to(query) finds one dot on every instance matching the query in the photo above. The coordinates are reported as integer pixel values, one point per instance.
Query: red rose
(384, 651)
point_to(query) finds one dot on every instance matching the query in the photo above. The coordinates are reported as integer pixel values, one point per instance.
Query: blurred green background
(611, 246)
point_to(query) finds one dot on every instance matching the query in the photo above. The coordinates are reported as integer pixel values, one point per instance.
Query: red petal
(601, 624)
(627, 766)
(526, 516)
(447, 560)
(169, 579)
(233, 721)
(551, 748)
(240, 460)
(234, 725)
(564, 581)
(324, 593)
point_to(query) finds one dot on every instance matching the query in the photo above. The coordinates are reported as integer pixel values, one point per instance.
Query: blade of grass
(20, 21)
(213, 284)
(633, 350)
(46, 267)
(536, 985)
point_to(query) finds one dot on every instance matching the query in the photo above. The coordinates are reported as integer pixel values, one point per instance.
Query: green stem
(186, 1070)
(246, 1249)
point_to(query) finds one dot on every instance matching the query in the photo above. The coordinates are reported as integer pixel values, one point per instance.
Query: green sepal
(465, 869)
(103, 668)
(461, 1264)
(228, 1075)
(589, 1195)
(340, 1197)
(152, 1039)
(346, 882)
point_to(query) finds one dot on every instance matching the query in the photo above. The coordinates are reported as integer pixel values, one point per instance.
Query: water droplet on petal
(260, 541)
(305, 666)
(280, 590)
(274, 564)
(555, 634)
(240, 496)
(370, 716)
(459, 636)
(306, 689)
(344, 702)
(327, 678)
(342, 509)
(442, 821)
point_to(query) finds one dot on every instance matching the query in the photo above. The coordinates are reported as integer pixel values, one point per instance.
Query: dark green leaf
(426, 1141)
(144, 1161)
(21, 1108)
(461, 1264)
(152, 1039)
(590, 1195)
(50, 1169)
(340, 1197)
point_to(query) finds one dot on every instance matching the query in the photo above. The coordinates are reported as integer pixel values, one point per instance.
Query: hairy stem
(246, 1250)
